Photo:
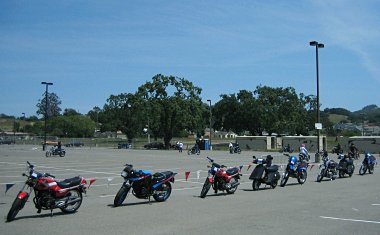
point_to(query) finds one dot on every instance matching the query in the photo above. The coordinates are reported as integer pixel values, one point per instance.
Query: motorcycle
(194, 150)
(304, 156)
(368, 163)
(235, 148)
(295, 169)
(144, 184)
(267, 174)
(287, 149)
(337, 149)
(49, 194)
(327, 169)
(55, 151)
(346, 165)
(355, 155)
(221, 178)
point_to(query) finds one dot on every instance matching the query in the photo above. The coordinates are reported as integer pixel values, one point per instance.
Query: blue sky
(93, 49)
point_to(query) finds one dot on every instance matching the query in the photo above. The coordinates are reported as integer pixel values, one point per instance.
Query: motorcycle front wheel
(62, 154)
(74, 201)
(256, 185)
(362, 170)
(302, 177)
(16, 207)
(284, 179)
(320, 176)
(165, 191)
(205, 188)
(120, 196)
(48, 154)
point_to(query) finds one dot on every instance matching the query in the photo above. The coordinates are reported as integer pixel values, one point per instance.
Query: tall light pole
(210, 122)
(318, 126)
(46, 110)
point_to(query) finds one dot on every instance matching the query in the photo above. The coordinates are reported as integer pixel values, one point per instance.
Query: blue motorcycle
(368, 163)
(295, 169)
(144, 184)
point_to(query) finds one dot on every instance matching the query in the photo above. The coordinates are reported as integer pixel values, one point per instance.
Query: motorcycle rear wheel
(232, 189)
(161, 197)
(62, 154)
(205, 188)
(302, 177)
(120, 196)
(73, 207)
(16, 207)
(370, 169)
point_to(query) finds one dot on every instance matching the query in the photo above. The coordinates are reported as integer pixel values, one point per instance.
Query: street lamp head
(47, 83)
(320, 45)
(313, 43)
(209, 100)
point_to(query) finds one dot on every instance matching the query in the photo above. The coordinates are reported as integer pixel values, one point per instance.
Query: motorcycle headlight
(124, 174)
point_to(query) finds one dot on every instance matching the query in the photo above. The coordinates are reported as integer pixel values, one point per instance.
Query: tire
(189, 152)
(350, 169)
(284, 179)
(205, 188)
(17, 205)
(120, 196)
(256, 185)
(48, 154)
(274, 184)
(362, 170)
(302, 177)
(320, 176)
(341, 173)
(370, 169)
(232, 189)
(165, 194)
(62, 154)
(73, 207)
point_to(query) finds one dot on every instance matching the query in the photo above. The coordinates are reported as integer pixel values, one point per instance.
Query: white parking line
(352, 220)
(375, 204)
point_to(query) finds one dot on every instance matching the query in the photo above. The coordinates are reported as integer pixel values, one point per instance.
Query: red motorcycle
(49, 193)
(221, 178)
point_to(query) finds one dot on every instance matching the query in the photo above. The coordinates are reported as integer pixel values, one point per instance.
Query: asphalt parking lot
(344, 206)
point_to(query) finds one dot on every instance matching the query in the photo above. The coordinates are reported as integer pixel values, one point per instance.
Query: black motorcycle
(327, 169)
(337, 149)
(235, 148)
(346, 165)
(55, 151)
(264, 174)
(194, 150)
(144, 184)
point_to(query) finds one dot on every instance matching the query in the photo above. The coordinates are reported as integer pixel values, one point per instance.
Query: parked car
(155, 145)
(75, 144)
(124, 146)
(7, 141)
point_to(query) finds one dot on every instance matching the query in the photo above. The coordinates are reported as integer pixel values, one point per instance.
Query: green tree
(52, 109)
(170, 105)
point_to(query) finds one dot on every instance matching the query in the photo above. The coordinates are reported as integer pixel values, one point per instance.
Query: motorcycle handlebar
(210, 159)
(49, 175)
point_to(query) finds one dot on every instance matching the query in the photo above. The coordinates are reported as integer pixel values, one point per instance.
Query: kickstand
(51, 212)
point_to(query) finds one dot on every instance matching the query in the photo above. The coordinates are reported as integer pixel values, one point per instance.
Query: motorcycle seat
(162, 175)
(67, 183)
(273, 168)
(232, 171)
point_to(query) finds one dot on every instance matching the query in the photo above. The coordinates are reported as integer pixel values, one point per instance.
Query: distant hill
(338, 118)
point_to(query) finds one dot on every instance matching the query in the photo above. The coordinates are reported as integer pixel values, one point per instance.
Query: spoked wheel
(74, 202)
(284, 179)
(48, 154)
(362, 170)
(256, 185)
(206, 187)
(189, 152)
(302, 177)
(16, 207)
(120, 196)
(163, 193)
